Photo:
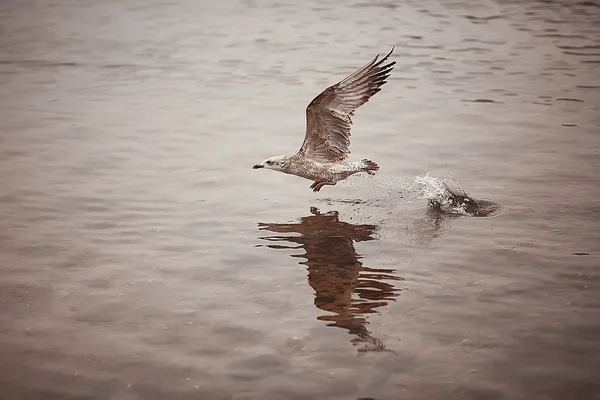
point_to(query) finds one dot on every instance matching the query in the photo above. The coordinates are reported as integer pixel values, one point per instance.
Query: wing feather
(328, 116)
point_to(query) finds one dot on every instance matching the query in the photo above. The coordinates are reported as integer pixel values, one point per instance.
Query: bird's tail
(370, 166)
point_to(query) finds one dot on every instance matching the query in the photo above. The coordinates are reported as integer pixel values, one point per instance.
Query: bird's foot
(316, 186)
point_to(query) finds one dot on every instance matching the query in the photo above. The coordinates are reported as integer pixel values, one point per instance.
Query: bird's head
(276, 163)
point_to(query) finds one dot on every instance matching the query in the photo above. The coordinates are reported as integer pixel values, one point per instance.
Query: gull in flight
(322, 157)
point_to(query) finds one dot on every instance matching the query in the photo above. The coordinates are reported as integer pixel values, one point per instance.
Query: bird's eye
(269, 162)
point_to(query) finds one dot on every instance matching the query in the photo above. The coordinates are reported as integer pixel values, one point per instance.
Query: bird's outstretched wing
(328, 116)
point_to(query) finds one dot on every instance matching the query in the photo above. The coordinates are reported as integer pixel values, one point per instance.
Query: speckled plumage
(326, 144)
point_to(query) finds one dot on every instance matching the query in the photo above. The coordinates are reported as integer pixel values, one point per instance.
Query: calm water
(143, 258)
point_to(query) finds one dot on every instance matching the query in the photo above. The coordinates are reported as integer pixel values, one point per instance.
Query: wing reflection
(344, 287)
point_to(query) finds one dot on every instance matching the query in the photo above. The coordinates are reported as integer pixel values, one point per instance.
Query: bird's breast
(312, 170)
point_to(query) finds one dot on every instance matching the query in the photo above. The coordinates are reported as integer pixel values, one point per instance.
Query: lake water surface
(143, 258)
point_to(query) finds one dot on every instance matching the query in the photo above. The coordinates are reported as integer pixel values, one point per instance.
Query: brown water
(143, 258)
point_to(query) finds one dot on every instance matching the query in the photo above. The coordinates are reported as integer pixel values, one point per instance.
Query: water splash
(445, 196)
(448, 196)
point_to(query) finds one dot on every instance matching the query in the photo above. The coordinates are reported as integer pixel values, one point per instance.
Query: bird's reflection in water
(343, 286)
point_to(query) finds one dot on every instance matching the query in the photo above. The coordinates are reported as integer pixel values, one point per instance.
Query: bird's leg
(316, 186)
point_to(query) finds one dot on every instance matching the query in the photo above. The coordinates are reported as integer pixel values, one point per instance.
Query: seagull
(322, 157)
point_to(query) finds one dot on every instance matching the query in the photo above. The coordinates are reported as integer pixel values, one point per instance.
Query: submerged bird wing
(328, 115)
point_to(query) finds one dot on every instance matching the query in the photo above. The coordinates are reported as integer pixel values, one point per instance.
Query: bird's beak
(257, 166)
